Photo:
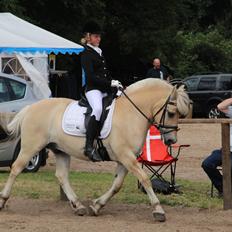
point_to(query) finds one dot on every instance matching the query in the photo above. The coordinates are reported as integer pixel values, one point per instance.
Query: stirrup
(93, 155)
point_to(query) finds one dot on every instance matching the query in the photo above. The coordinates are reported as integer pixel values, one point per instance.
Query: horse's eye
(171, 114)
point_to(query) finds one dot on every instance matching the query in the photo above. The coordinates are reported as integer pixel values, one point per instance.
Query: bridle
(161, 125)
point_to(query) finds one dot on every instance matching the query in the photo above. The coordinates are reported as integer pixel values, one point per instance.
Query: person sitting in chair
(214, 160)
(98, 83)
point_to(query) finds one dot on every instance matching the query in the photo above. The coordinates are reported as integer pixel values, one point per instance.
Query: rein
(152, 121)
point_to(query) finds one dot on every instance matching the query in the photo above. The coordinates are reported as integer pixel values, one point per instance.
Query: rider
(98, 83)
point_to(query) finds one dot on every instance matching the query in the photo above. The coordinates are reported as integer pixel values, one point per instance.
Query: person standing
(214, 160)
(158, 71)
(98, 83)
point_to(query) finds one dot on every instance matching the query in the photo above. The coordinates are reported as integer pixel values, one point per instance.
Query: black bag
(161, 186)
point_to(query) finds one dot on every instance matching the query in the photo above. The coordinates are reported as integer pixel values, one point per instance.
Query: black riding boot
(91, 133)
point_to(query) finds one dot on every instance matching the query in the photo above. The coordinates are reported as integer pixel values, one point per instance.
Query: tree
(12, 6)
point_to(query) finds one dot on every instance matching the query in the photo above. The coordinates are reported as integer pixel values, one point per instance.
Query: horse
(151, 101)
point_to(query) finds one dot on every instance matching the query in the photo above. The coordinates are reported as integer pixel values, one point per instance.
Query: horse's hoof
(160, 217)
(92, 211)
(2, 203)
(81, 211)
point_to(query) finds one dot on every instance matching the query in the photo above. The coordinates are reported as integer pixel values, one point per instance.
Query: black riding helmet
(92, 27)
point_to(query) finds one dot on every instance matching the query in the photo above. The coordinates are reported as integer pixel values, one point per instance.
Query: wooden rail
(226, 160)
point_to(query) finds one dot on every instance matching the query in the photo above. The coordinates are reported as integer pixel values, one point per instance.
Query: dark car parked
(207, 91)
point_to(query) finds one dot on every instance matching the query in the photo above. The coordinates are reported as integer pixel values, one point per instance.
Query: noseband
(161, 124)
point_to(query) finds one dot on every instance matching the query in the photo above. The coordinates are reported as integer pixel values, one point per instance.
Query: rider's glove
(117, 84)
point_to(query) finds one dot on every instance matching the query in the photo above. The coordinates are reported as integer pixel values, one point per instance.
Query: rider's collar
(97, 49)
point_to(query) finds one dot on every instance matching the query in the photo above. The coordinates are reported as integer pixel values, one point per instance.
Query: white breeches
(94, 98)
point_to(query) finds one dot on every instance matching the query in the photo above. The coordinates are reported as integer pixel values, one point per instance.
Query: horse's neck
(148, 100)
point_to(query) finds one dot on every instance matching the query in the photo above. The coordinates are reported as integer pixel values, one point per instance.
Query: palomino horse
(40, 125)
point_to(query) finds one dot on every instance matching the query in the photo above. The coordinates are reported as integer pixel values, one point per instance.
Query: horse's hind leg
(121, 172)
(17, 167)
(62, 169)
(129, 161)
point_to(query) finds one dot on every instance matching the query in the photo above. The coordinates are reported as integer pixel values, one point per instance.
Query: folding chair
(212, 186)
(157, 158)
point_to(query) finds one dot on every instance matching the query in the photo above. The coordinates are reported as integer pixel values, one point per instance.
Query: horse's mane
(149, 82)
(183, 101)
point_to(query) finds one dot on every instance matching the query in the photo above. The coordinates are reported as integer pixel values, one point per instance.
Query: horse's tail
(13, 128)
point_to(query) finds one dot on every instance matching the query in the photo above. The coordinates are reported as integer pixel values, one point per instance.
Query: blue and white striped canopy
(20, 36)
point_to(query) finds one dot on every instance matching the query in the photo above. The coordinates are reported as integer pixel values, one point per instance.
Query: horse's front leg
(62, 170)
(120, 174)
(17, 168)
(129, 161)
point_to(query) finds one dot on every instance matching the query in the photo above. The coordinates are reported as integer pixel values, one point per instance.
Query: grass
(91, 185)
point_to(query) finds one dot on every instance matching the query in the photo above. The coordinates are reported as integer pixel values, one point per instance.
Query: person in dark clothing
(98, 83)
(158, 71)
(214, 160)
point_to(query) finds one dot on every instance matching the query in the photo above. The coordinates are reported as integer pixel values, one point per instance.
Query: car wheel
(34, 164)
(213, 112)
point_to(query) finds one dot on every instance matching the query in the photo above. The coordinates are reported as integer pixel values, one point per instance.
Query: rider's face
(95, 39)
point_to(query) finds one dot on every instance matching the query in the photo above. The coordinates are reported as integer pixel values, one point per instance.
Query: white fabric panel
(40, 85)
(41, 64)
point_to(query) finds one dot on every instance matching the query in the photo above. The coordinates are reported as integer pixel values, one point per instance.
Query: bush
(203, 52)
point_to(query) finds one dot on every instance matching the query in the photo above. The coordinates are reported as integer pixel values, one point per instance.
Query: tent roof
(18, 35)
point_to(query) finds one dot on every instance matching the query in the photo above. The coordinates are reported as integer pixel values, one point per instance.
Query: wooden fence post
(226, 166)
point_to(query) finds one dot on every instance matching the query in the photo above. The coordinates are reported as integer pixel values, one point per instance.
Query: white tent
(28, 46)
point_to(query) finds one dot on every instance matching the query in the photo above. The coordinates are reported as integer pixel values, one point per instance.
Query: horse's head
(177, 105)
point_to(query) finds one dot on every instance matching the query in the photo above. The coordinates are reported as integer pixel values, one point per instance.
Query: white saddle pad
(73, 120)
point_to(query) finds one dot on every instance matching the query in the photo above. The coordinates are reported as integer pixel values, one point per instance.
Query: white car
(15, 93)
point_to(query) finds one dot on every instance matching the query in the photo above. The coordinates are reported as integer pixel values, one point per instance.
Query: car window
(18, 89)
(4, 92)
(225, 83)
(207, 83)
(191, 84)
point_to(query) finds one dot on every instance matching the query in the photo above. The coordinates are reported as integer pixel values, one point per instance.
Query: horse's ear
(174, 93)
(171, 108)
(183, 101)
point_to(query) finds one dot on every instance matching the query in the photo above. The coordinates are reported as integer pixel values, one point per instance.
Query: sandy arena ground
(46, 215)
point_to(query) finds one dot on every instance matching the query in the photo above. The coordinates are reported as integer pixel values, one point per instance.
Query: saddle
(106, 102)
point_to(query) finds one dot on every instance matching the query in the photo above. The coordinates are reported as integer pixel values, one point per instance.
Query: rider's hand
(117, 84)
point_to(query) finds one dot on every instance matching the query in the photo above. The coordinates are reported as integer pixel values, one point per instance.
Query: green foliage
(203, 52)
(92, 185)
(12, 6)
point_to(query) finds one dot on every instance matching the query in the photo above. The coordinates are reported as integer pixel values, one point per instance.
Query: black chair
(212, 186)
